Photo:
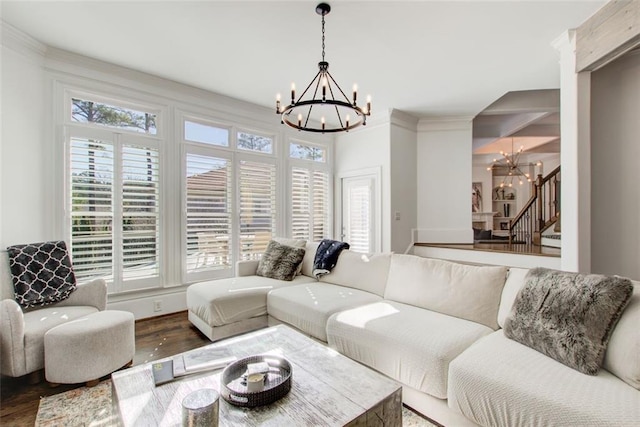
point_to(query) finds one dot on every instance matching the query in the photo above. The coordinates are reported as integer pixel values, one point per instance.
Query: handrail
(536, 215)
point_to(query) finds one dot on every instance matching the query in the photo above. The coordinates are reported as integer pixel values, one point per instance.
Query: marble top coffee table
(328, 389)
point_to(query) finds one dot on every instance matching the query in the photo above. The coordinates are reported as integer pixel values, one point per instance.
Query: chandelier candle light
(328, 99)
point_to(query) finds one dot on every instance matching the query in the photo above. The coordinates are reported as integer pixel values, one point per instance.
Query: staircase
(541, 212)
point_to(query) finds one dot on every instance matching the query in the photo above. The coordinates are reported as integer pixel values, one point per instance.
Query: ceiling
(426, 58)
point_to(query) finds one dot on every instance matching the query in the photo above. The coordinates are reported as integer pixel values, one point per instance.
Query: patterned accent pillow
(280, 261)
(42, 273)
(568, 316)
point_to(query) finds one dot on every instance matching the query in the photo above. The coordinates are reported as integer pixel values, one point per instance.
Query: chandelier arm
(315, 92)
(310, 83)
(335, 106)
(338, 86)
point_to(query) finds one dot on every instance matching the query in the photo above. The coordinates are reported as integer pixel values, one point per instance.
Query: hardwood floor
(500, 247)
(156, 338)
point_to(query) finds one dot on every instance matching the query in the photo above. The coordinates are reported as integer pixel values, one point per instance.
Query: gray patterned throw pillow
(568, 316)
(42, 273)
(280, 261)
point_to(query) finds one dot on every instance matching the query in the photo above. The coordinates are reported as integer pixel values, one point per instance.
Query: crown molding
(448, 123)
(404, 120)
(21, 43)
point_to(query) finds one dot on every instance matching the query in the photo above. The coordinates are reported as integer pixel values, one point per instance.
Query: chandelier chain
(323, 38)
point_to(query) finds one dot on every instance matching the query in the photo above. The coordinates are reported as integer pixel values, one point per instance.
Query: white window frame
(202, 149)
(312, 166)
(235, 155)
(118, 136)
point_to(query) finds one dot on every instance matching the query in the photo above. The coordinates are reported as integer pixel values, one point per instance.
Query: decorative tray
(276, 383)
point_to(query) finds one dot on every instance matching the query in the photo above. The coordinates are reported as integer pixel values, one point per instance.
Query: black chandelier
(328, 106)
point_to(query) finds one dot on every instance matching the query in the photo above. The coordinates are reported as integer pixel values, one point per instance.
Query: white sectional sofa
(436, 327)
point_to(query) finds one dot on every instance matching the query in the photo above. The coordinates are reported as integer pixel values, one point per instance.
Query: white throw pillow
(515, 281)
(464, 291)
(309, 257)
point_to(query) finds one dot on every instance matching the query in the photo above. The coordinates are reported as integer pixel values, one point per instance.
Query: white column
(575, 154)
(444, 155)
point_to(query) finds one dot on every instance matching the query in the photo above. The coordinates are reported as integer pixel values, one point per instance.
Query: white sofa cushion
(623, 352)
(500, 382)
(309, 257)
(308, 306)
(515, 280)
(465, 291)
(224, 301)
(407, 343)
(365, 272)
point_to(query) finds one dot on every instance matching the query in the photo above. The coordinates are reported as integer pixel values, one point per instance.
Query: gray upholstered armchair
(22, 330)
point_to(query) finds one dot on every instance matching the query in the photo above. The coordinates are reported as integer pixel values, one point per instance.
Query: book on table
(193, 363)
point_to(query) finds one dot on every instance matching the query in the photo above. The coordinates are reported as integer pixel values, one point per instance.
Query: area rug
(91, 407)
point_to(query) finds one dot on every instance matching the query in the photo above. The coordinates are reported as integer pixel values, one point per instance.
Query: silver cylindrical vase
(200, 408)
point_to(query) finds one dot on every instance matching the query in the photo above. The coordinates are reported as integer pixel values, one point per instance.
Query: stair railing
(540, 212)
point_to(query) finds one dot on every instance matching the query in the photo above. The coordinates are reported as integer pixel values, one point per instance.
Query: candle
(299, 119)
(293, 93)
(368, 104)
(278, 103)
(348, 118)
(322, 120)
(355, 93)
(324, 88)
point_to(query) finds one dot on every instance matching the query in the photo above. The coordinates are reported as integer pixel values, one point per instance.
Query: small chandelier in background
(512, 166)
(327, 104)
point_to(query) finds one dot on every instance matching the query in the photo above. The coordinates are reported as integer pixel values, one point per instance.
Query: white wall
(615, 159)
(444, 181)
(23, 169)
(575, 152)
(403, 183)
(368, 147)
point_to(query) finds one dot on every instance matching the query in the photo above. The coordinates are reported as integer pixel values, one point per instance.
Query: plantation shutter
(92, 191)
(359, 221)
(140, 212)
(257, 192)
(300, 203)
(320, 206)
(208, 213)
(309, 204)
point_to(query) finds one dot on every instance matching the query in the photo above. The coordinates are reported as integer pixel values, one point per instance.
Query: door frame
(372, 172)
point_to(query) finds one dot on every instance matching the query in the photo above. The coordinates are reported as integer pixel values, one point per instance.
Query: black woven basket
(276, 386)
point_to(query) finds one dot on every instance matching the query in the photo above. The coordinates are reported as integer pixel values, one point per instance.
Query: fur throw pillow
(280, 261)
(568, 316)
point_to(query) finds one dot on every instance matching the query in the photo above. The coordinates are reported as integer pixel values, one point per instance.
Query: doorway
(360, 211)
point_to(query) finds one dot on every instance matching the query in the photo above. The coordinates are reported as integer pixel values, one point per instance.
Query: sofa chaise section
(224, 307)
(356, 280)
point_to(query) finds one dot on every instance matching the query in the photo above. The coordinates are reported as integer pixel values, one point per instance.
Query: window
(208, 213)
(91, 207)
(307, 152)
(207, 134)
(97, 113)
(251, 142)
(310, 204)
(257, 193)
(114, 209)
